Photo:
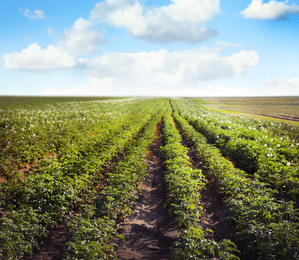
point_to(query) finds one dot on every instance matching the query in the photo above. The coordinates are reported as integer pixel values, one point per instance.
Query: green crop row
(267, 228)
(184, 185)
(31, 133)
(277, 128)
(92, 232)
(268, 158)
(33, 205)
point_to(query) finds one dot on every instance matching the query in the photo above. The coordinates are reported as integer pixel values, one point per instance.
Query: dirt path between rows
(52, 248)
(151, 230)
(214, 209)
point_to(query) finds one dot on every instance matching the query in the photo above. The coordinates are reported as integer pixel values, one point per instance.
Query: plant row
(268, 159)
(31, 133)
(277, 128)
(93, 231)
(33, 205)
(184, 185)
(267, 228)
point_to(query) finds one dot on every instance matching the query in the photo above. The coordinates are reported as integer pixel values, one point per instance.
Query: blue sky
(151, 48)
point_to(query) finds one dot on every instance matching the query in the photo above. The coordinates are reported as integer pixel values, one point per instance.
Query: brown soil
(215, 217)
(52, 248)
(151, 230)
(214, 209)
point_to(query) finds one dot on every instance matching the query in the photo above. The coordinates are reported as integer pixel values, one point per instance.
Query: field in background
(16, 101)
(280, 107)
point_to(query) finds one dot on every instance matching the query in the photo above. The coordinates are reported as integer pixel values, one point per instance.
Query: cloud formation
(38, 59)
(33, 15)
(82, 38)
(169, 69)
(272, 10)
(282, 86)
(179, 21)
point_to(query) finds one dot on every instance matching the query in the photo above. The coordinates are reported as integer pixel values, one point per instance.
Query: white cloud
(168, 70)
(36, 58)
(81, 39)
(242, 61)
(179, 21)
(33, 15)
(271, 10)
(161, 73)
(282, 87)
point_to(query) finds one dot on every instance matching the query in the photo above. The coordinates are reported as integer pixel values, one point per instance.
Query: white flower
(265, 145)
(278, 145)
(288, 164)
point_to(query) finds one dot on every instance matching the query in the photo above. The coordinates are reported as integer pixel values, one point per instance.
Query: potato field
(145, 178)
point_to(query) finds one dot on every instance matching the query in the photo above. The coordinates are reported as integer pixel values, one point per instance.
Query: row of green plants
(30, 133)
(283, 129)
(63, 187)
(269, 158)
(93, 231)
(184, 185)
(266, 227)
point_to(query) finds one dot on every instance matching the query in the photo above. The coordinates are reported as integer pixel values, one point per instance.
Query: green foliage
(259, 147)
(91, 239)
(267, 227)
(192, 244)
(184, 185)
(85, 137)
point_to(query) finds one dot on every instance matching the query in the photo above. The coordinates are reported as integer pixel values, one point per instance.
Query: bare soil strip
(53, 246)
(151, 230)
(214, 209)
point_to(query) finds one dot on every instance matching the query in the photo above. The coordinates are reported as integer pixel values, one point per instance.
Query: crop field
(276, 107)
(145, 178)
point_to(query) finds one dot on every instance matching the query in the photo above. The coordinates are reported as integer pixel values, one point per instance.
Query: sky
(149, 48)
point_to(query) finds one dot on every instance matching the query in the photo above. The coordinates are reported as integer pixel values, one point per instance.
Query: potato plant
(65, 184)
(184, 186)
(256, 149)
(267, 227)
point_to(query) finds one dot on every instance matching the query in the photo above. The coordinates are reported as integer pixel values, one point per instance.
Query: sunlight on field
(270, 106)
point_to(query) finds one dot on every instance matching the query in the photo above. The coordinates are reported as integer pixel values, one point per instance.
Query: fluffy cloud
(82, 38)
(272, 10)
(33, 15)
(179, 21)
(169, 69)
(282, 86)
(36, 58)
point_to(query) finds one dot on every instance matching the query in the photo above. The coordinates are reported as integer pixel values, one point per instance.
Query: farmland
(276, 107)
(176, 179)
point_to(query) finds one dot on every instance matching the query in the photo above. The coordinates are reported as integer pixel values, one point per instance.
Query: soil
(52, 248)
(151, 230)
(214, 215)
